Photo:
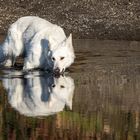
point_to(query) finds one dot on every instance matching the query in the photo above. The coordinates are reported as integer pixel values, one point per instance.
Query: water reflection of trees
(113, 99)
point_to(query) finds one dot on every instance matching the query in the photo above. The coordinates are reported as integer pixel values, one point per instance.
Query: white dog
(43, 44)
(39, 96)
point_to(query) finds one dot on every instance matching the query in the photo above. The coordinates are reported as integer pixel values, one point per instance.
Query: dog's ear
(69, 40)
(70, 45)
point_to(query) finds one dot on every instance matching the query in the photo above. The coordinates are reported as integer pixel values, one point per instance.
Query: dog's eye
(61, 58)
(53, 58)
(62, 86)
(53, 85)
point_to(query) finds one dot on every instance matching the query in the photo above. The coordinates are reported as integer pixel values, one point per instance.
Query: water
(97, 99)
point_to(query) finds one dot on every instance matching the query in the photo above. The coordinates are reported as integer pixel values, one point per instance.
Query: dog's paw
(8, 63)
(27, 66)
(25, 69)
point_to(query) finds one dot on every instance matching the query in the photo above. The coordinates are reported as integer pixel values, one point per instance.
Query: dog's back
(27, 27)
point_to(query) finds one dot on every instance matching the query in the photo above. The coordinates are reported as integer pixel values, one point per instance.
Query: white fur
(38, 40)
(35, 96)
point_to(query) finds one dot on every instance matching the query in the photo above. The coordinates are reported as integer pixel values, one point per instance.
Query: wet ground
(97, 99)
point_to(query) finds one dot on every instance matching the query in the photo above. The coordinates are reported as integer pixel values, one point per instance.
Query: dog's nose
(57, 70)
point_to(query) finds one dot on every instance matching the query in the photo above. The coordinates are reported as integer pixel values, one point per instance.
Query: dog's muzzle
(58, 72)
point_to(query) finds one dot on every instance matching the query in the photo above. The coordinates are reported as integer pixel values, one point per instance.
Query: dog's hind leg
(16, 43)
(8, 63)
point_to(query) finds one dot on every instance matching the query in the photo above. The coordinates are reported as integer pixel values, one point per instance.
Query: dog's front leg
(13, 60)
(27, 66)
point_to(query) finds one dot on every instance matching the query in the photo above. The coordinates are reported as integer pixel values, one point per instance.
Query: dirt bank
(106, 19)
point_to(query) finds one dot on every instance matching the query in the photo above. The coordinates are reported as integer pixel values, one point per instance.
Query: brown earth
(103, 19)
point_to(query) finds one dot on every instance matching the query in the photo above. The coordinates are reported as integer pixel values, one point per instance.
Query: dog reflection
(39, 96)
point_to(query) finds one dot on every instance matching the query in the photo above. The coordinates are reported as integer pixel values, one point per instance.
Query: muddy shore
(107, 19)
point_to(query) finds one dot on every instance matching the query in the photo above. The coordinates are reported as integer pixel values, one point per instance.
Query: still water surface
(97, 99)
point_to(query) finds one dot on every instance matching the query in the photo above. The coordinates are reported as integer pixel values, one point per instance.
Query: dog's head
(63, 56)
